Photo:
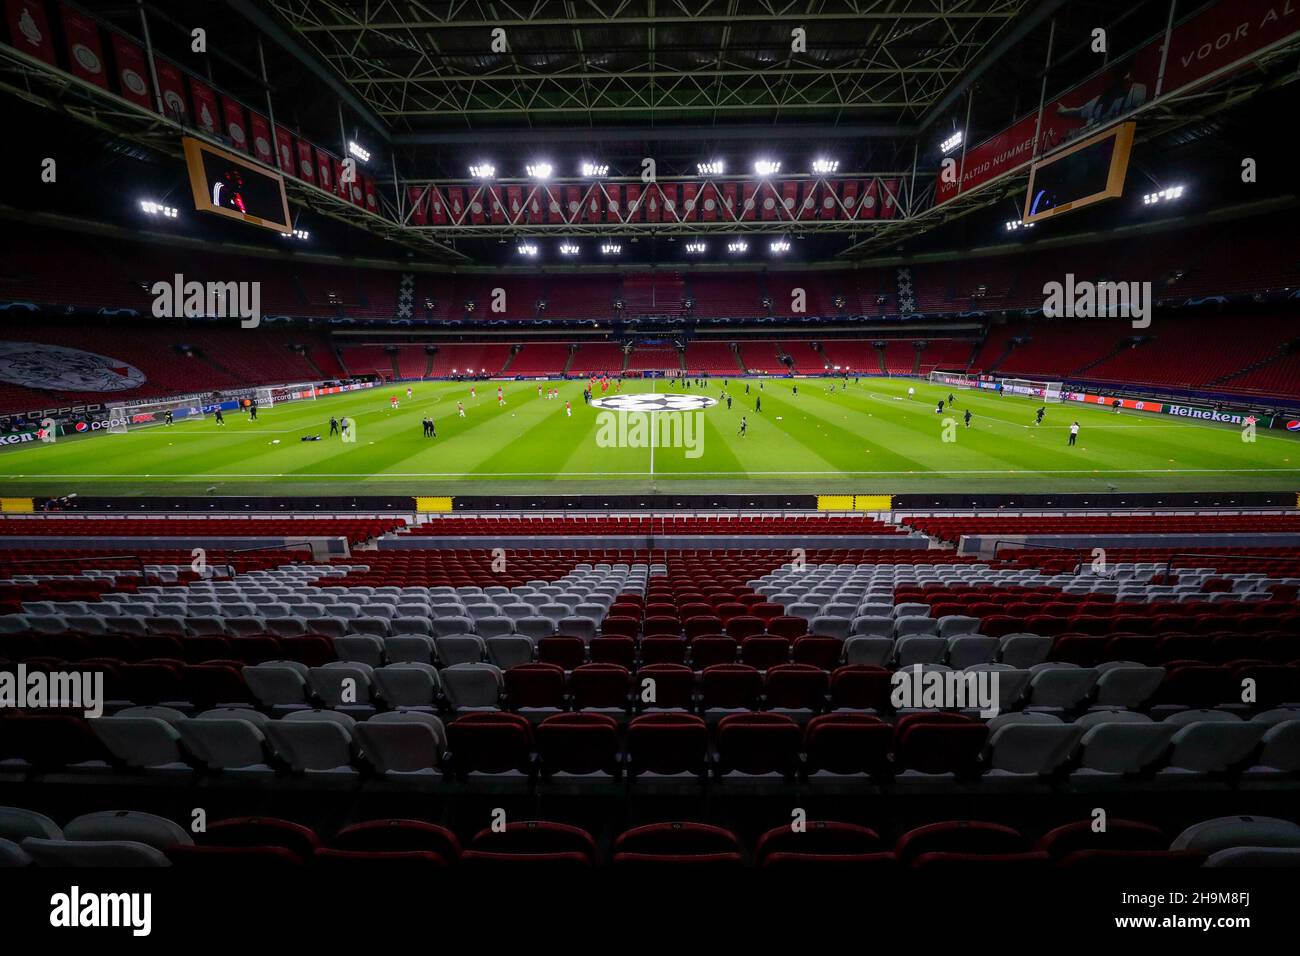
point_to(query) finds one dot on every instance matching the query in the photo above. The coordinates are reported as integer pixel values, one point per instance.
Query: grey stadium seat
(473, 686)
(456, 649)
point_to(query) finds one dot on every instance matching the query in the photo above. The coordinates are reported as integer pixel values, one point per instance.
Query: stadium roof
(439, 68)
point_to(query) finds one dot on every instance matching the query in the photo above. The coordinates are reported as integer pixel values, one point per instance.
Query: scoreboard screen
(1089, 171)
(231, 185)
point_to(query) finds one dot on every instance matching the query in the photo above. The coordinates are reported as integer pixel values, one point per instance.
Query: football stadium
(851, 445)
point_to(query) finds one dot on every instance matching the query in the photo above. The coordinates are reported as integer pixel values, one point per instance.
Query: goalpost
(300, 392)
(953, 379)
(1029, 387)
(123, 417)
(1035, 388)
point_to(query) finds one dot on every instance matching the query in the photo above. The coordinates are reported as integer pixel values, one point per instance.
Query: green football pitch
(866, 436)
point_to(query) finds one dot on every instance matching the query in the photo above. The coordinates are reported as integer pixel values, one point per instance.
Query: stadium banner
(1134, 404)
(1208, 41)
(358, 192)
(1225, 414)
(341, 189)
(205, 106)
(890, 190)
(21, 437)
(171, 86)
(372, 197)
(85, 52)
(132, 71)
(260, 134)
(496, 206)
(690, 193)
(306, 166)
(324, 170)
(437, 206)
(233, 116)
(418, 200)
(29, 31)
(632, 203)
(284, 150)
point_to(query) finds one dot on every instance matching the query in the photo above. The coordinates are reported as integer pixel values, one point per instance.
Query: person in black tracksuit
(334, 425)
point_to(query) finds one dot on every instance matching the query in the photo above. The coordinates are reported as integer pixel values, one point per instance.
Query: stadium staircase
(740, 362)
(880, 360)
(1284, 351)
(1119, 346)
(514, 350)
(428, 364)
(573, 353)
(1006, 354)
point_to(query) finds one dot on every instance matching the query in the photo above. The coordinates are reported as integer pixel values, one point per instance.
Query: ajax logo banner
(61, 369)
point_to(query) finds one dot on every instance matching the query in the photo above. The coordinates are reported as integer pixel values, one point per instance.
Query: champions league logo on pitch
(61, 369)
(652, 421)
(654, 403)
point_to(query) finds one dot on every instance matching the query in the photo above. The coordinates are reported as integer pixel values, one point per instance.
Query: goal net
(953, 379)
(124, 417)
(1034, 388)
(279, 394)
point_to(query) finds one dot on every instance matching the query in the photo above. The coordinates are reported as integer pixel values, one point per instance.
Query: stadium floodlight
(696, 246)
(951, 143)
(822, 166)
(483, 171)
(713, 167)
(1164, 195)
(767, 167)
(539, 170)
(527, 249)
(359, 152)
(568, 249)
(779, 245)
(611, 249)
(302, 234)
(739, 245)
(152, 208)
(1011, 225)
(595, 170)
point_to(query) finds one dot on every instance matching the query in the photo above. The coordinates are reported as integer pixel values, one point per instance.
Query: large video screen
(230, 185)
(1087, 172)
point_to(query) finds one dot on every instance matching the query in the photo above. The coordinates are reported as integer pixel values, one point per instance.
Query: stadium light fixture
(1164, 195)
(767, 167)
(611, 249)
(483, 171)
(739, 245)
(152, 208)
(713, 167)
(951, 143)
(779, 246)
(1013, 224)
(539, 170)
(696, 246)
(823, 166)
(568, 249)
(359, 152)
(302, 234)
(527, 249)
(595, 170)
